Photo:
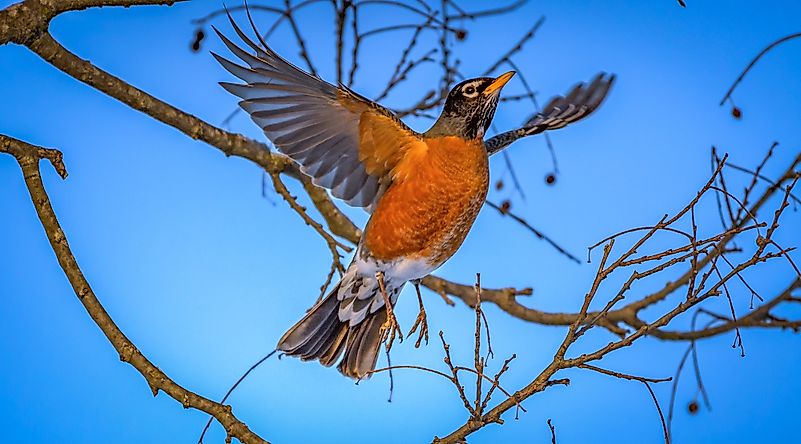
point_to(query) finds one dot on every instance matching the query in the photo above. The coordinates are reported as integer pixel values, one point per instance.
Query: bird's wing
(560, 111)
(579, 103)
(344, 141)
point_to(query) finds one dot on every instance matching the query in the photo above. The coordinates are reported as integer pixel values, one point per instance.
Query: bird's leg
(422, 320)
(390, 326)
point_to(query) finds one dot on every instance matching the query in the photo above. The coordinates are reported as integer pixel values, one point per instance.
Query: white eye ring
(469, 91)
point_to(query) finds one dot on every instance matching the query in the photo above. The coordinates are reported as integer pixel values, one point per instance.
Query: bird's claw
(421, 321)
(423, 324)
(390, 328)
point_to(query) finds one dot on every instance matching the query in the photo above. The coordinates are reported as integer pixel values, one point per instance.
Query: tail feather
(329, 356)
(297, 338)
(361, 353)
(323, 336)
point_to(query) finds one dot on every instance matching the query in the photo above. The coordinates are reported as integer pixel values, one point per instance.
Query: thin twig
(754, 61)
(533, 230)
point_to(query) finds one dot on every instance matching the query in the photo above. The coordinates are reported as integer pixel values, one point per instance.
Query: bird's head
(470, 106)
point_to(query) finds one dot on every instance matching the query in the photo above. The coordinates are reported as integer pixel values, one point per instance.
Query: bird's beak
(499, 82)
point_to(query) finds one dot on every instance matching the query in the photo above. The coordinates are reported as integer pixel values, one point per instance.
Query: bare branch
(487, 12)
(507, 56)
(700, 287)
(333, 244)
(28, 157)
(23, 22)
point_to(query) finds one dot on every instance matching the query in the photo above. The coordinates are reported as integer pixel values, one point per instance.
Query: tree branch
(699, 289)
(25, 21)
(28, 157)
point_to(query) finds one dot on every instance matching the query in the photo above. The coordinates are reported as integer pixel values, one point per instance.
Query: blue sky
(204, 274)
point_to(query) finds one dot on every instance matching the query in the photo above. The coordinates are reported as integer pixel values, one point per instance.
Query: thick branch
(25, 21)
(28, 157)
(229, 143)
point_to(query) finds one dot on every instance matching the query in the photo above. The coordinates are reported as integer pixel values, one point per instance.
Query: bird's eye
(470, 90)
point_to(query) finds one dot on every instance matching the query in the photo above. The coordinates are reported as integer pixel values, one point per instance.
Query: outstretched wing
(344, 141)
(560, 111)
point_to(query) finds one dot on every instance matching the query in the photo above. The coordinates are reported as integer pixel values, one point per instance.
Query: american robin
(424, 190)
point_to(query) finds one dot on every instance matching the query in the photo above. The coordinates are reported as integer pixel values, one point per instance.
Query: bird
(423, 190)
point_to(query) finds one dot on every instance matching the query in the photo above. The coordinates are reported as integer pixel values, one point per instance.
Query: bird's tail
(326, 330)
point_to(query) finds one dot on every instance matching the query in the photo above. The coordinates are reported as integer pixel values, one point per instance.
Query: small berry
(550, 179)
(461, 34)
(736, 112)
(505, 206)
(692, 407)
(499, 185)
(199, 36)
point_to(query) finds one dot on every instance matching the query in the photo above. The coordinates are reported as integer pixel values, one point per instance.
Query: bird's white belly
(400, 270)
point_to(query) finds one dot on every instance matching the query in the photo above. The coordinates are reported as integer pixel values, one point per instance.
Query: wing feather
(344, 141)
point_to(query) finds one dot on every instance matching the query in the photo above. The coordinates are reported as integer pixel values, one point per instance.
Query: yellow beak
(499, 82)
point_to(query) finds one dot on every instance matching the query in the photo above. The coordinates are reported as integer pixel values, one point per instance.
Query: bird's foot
(390, 328)
(421, 321)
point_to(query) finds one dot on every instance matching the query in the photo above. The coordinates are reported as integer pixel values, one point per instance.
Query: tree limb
(28, 157)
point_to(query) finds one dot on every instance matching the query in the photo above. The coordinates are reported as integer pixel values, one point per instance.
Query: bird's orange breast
(432, 203)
